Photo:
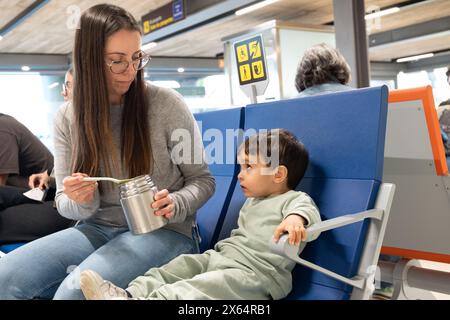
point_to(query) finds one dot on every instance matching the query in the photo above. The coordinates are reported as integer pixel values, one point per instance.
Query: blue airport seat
(5, 248)
(344, 133)
(212, 125)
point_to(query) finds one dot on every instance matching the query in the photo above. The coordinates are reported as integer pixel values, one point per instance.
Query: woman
(321, 70)
(116, 126)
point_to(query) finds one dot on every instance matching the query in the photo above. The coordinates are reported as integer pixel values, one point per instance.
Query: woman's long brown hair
(93, 146)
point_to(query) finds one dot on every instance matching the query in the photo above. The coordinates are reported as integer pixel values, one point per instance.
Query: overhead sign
(250, 60)
(163, 16)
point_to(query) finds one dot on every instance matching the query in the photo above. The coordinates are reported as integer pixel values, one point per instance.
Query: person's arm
(199, 184)
(303, 206)
(9, 157)
(3, 178)
(68, 207)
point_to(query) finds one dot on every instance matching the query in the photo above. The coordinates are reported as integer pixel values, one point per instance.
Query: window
(434, 77)
(200, 93)
(33, 100)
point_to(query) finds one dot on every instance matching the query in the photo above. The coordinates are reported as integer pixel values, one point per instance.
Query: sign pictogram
(250, 60)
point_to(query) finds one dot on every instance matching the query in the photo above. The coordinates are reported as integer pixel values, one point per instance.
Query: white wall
(293, 44)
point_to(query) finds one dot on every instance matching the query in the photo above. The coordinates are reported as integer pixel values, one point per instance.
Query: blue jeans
(50, 267)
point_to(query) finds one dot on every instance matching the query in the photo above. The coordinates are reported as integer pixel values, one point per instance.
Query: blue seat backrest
(5, 248)
(221, 158)
(344, 134)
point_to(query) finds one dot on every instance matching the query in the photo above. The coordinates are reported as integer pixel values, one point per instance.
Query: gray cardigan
(190, 184)
(324, 88)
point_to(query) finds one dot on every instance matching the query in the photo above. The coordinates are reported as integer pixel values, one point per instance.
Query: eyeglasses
(121, 66)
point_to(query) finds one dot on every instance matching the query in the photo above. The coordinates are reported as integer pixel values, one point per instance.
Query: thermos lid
(137, 185)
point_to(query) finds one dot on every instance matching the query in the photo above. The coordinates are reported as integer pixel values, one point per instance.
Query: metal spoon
(107, 179)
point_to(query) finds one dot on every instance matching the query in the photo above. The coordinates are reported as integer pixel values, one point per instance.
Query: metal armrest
(292, 251)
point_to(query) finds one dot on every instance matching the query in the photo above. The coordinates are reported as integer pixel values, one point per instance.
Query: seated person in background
(68, 85)
(322, 70)
(443, 112)
(241, 266)
(25, 162)
(446, 102)
(22, 153)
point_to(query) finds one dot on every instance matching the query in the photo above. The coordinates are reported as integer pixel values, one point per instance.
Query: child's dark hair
(291, 152)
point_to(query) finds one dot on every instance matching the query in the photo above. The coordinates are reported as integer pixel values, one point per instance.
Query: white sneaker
(95, 288)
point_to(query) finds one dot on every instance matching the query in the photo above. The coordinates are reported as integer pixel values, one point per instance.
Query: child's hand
(294, 225)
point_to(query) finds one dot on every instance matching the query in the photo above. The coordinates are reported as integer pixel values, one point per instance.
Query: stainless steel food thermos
(136, 197)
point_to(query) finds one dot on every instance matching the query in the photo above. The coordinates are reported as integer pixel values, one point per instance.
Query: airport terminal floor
(225, 150)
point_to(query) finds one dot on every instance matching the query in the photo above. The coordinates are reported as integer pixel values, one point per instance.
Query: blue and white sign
(178, 10)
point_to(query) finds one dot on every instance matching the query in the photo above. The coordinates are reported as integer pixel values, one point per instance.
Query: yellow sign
(242, 53)
(258, 69)
(146, 27)
(255, 49)
(250, 60)
(171, 12)
(244, 72)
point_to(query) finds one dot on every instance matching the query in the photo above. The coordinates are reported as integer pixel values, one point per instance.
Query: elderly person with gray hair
(445, 103)
(322, 70)
(443, 112)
